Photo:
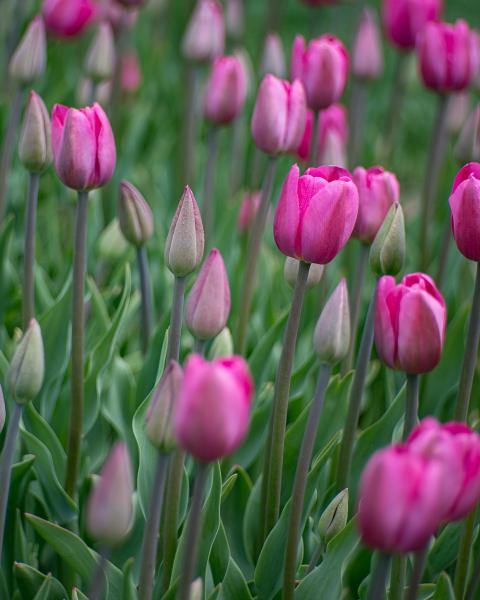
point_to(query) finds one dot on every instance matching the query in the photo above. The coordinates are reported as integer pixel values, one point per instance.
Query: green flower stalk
(378, 581)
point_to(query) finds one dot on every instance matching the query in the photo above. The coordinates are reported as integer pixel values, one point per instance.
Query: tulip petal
(287, 215)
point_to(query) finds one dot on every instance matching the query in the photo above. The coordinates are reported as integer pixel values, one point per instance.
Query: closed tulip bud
(248, 211)
(235, 18)
(226, 90)
(158, 426)
(27, 368)
(273, 57)
(367, 57)
(279, 115)
(196, 590)
(387, 253)
(100, 59)
(186, 240)
(334, 517)
(208, 305)
(332, 136)
(83, 146)
(332, 333)
(316, 214)
(34, 148)
(465, 208)
(212, 412)
(290, 272)
(30, 58)
(111, 244)
(134, 215)
(2, 410)
(110, 507)
(67, 18)
(222, 345)
(447, 56)
(404, 19)
(204, 38)
(410, 322)
(467, 148)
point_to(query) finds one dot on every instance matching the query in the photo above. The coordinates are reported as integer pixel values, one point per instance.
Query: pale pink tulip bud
(110, 506)
(83, 146)
(134, 215)
(208, 305)
(226, 90)
(465, 208)
(35, 148)
(27, 368)
(30, 58)
(367, 57)
(410, 323)
(158, 424)
(100, 59)
(290, 273)
(235, 18)
(400, 500)
(316, 213)
(273, 57)
(130, 73)
(404, 19)
(467, 148)
(67, 18)
(331, 339)
(248, 210)
(377, 191)
(212, 412)
(186, 240)
(204, 38)
(458, 111)
(279, 115)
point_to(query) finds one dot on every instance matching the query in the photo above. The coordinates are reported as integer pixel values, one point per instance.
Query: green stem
(355, 398)
(29, 251)
(378, 581)
(254, 246)
(397, 577)
(200, 346)
(7, 149)
(315, 557)
(194, 524)
(146, 294)
(300, 484)
(420, 559)
(463, 561)
(98, 582)
(396, 101)
(411, 405)
(475, 581)
(443, 254)
(187, 155)
(314, 141)
(272, 475)
(237, 163)
(175, 331)
(470, 355)
(78, 343)
(358, 101)
(209, 184)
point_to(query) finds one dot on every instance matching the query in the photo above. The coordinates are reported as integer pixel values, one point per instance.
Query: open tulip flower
(405, 19)
(67, 18)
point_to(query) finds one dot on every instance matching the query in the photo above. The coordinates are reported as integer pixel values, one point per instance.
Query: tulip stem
(315, 557)
(146, 294)
(470, 355)
(443, 254)
(397, 577)
(78, 342)
(396, 102)
(237, 164)
(358, 100)
(463, 561)
(190, 131)
(314, 142)
(152, 527)
(253, 252)
(432, 175)
(98, 581)
(7, 149)
(193, 530)
(300, 484)
(376, 590)
(175, 331)
(29, 251)
(355, 398)
(6, 466)
(411, 404)
(419, 561)
(273, 466)
(209, 184)
(475, 581)
(200, 346)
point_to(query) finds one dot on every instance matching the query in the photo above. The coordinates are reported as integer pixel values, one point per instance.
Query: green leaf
(78, 595)
(129, 587)
(228, 485)
(99, 309)
(444, 589)
(251, 523)
(44, 591)
(260, 357)
(444, 551)
(29, 580)
(234, 586)
(219, 555)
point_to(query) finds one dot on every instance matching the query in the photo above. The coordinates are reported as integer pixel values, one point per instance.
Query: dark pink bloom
(67, 18)
(410, 323)
(465, 208)
(332, 136)
(226, 90)
(248, 211)
(404, 19)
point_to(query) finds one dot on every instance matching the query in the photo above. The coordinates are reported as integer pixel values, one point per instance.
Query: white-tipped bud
(332, 333)
(334, 517)
(26, 372)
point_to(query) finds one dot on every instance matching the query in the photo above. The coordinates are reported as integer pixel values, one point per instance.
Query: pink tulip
(377, 191)
(83, 146)
(204, 38)
(67, 18)
(119, 17)
(400, 500)
(465, 208)
(273, 57)
(212, 411)
(367, 57)
(322, 66)
(410, 323)
(131, 75)
(226, 90)
(279, 116)
(404, 19)
(332, 136)
(316, 213)
(447, 56)
(248, 210)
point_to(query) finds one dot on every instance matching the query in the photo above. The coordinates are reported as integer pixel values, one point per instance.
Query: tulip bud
(208, 305)
(334, 517)
(367, 59)
(467, 148)
(134, 215)
(29, 59)
(387, 253)
(235, 18)
(248, 210)
(110, 508)
(332, 333)
(290, 272)
(226, 90)
(131, 75)
(186, 240)
(204, 38)
(404, 20)
(196, 590)
(222, 345)
(100, 60)
(111, 243)
(2, 410)
(158, 425)
(68, 18)
(25, 375)
(273, 57)
(34, 147)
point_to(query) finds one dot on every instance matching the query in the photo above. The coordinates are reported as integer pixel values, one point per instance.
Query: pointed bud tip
(387, 253)
(332, 333)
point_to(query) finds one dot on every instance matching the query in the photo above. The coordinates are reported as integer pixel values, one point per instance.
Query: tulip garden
(240, 308)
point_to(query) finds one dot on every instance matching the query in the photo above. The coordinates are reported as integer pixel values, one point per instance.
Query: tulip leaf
(29, 580)
(251, 523)
(78, 595)
(234, 586)
(259, 360)
(444, 589)
(44, 591)
(444, 551)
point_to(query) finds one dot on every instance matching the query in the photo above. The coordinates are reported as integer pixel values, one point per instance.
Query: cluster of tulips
(408, 491)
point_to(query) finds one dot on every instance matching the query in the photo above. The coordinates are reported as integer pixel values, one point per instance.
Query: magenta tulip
(404, 19)
(67, 18)
(377, 191)
(226, 90)
(316, 213)
(204, 38)
(248, 210)
(465, 207)
(367, 56)
(332, 136)
(212, 411)
(410, 323)
(83, 146)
